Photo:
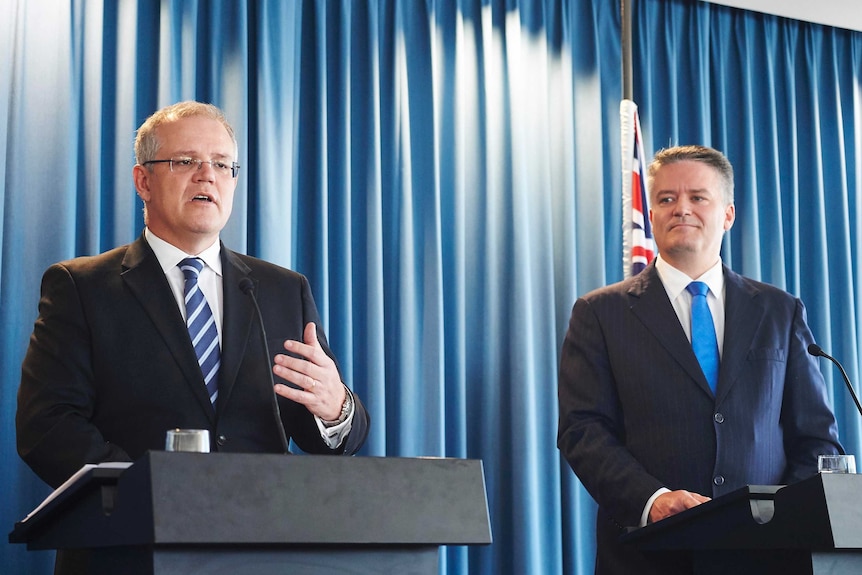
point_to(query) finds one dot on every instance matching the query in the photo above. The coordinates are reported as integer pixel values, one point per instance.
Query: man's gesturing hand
(322, 391)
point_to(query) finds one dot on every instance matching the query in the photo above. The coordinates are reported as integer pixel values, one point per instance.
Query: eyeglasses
(185, 165)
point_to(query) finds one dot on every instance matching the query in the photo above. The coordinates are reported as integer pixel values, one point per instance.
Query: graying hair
(147, 141)
(708, 156)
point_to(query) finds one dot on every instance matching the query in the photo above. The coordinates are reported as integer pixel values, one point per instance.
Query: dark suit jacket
(636, 412)
(110, 366)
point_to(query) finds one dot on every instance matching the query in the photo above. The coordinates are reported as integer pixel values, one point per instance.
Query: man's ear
(729, 216)
(141, 177)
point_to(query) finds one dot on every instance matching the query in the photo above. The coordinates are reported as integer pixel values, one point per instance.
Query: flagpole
(626, 131)
(638, 243)
(626, 17)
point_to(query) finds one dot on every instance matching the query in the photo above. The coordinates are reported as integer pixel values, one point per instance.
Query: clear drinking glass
(194, 440)
(836, 464)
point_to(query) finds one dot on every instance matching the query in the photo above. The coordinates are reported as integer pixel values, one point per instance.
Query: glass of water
(195, 440)
(836, 464)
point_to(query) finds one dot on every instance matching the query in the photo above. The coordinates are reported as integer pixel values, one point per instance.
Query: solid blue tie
(202, 327)
(703, 339)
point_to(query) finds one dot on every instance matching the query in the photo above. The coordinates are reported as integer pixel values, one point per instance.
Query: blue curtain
(447, 174)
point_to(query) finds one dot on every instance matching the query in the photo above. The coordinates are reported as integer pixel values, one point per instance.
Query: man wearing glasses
(162, 334)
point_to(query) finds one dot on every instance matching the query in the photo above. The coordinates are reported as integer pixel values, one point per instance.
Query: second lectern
(813, 527)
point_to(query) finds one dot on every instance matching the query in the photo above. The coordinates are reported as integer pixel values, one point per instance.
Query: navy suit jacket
(637, 414)
(110, 366)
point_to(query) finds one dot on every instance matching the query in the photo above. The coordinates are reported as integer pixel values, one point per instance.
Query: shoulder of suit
(755, 288)
(260, 267)
(631, 286)
(109, 260)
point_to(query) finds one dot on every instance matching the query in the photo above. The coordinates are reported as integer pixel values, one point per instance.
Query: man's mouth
(202, 198)
(682, 225)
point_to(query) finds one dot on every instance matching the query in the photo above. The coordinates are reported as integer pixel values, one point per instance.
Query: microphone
(816, 351)
(247, 287)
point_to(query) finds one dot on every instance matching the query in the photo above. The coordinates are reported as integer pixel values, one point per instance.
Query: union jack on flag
(638, 245)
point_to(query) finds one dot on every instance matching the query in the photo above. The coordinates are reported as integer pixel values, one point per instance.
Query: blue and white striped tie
(202, 327)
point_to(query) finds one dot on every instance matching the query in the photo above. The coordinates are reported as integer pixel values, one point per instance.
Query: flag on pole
(638, 245)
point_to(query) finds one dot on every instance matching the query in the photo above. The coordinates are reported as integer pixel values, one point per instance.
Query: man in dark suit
(639, 423)
(111, 365)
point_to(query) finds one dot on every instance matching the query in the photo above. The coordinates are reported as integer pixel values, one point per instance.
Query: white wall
(838, 13)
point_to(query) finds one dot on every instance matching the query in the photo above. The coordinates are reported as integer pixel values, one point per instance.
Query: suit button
(221, 440)
(719, 418)
(718, 480)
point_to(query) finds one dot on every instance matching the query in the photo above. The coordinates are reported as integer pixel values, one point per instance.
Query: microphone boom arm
(247, 286)
(816, 351)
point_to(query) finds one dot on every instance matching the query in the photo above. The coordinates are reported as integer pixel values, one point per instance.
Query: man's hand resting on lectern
(673, 502)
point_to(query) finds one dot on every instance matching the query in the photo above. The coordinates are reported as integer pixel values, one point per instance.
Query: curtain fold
(447, 174)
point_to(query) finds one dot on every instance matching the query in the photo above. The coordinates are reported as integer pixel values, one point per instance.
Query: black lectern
(187, 513)
(813, 527)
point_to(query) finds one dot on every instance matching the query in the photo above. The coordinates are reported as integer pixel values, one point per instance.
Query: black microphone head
(815, 350)
(247, 286)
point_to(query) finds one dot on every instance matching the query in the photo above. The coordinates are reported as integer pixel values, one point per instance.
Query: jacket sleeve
(307, 435)
(56, 397)
(806, 415)
(591, 433)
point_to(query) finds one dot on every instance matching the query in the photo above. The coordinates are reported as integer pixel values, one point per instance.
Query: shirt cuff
(334, 432)
(648, 506)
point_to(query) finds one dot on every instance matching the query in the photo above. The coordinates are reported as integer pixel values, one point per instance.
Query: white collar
(169, 255)
(675, 281)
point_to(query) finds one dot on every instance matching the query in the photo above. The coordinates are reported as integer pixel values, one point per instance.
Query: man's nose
(205, 172)
(682, 207)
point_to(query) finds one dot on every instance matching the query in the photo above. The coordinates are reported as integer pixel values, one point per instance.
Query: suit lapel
(145, 279)
(237, 321)
(652, 306)
(742, 317)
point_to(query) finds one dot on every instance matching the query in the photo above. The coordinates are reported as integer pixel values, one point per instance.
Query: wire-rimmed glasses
(185, 164)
